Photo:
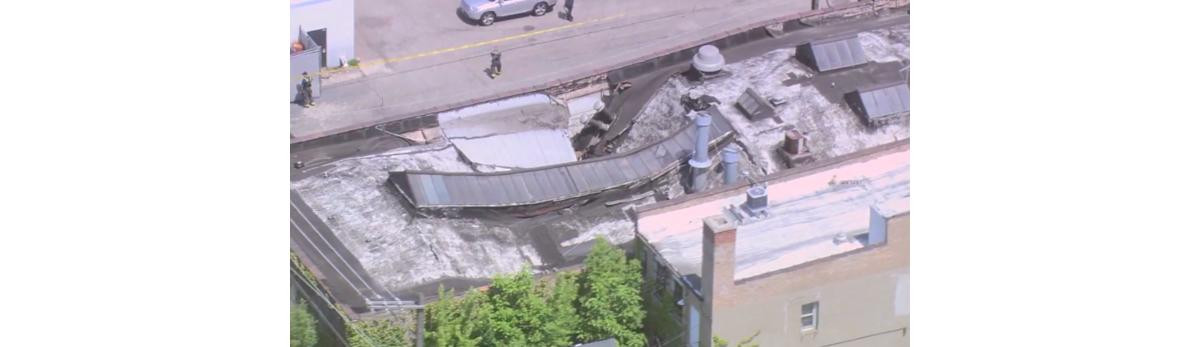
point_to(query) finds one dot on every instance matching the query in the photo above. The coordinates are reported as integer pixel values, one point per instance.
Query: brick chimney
(720, 237)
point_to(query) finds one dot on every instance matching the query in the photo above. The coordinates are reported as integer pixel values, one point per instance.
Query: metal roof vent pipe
(729, 162)
(700, 161)
(791, 142)
(708, 63)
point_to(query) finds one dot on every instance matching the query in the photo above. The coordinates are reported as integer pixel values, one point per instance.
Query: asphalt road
(418, 57)
(389, 28)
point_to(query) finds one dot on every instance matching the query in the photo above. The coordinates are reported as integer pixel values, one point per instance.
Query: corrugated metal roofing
(556, 182)
(837, 53)
(884, 100)
(509, 132)
(518, 150)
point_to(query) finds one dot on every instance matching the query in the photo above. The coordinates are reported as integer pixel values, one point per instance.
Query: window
(808, 316)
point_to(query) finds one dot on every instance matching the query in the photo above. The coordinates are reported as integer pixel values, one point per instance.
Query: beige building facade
(826, 266)
(854, 299)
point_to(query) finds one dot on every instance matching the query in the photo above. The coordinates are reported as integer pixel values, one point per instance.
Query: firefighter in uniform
(495, 69)
(306, 86)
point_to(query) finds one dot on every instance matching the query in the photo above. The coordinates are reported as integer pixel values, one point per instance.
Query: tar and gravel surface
(813, 105)
(402, 251)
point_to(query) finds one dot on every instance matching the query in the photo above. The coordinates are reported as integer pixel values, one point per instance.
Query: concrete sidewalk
(591, 46)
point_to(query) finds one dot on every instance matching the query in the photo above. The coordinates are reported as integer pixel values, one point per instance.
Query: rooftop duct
(700, 161)
(729, 162)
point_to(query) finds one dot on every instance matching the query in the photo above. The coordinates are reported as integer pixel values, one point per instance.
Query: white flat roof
(806, 212)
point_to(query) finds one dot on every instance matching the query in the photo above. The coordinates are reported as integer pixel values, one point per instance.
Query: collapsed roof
(428, 189)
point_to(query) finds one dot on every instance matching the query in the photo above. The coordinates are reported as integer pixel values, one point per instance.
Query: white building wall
(336, 16)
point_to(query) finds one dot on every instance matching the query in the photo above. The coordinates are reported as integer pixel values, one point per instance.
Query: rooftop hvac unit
(756, 200)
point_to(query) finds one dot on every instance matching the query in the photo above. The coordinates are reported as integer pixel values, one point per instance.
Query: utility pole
(421, 320)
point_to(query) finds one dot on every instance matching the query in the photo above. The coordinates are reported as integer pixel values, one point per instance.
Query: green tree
(304, 327)
(521, 315)
(610, 301)
(600, 302)
(454, 321)
(380, 333)
(563, 297)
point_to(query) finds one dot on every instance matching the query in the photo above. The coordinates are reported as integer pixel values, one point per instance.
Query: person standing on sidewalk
(306, 86)
(569, 5)
(494, 71)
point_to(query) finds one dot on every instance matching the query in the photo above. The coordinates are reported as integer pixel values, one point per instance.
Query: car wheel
(487, 19)
(540, 9)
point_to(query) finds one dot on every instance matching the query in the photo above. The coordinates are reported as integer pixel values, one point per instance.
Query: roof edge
(821, 165)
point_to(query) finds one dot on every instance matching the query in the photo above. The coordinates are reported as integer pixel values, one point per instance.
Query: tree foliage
(521, 314)
(610, 301)
(563, 297)
(602, 301)
(379, 333)
(304, 327)
(456, 321)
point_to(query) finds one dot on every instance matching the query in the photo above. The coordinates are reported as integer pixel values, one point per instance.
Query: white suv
(486, 11)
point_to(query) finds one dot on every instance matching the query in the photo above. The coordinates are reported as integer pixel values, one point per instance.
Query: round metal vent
(708, 59)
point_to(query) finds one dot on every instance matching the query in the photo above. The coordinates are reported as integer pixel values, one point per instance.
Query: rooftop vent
(729, 162)
(708, 59)
(700, 161)
(754, 106)
(756, 200)
(832, 54)
(795, 148)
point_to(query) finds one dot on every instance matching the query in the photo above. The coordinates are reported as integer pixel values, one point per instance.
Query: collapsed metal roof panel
(427, 189)
(518, 150)
(884, 100)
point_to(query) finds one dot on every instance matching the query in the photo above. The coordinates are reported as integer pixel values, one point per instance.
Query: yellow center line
(481, 43)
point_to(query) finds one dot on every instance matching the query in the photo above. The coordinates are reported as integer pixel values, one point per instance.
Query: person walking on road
(306, 87)
(494, 71)
(569, 5)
